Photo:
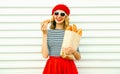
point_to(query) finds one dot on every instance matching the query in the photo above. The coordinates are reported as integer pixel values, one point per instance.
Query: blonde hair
(53, 23)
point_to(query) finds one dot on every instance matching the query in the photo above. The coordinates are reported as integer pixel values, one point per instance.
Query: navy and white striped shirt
(54, 41)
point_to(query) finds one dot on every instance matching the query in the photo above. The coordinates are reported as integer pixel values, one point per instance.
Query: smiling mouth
(59, 19)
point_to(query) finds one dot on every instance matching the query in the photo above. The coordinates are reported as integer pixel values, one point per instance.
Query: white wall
(20, 35)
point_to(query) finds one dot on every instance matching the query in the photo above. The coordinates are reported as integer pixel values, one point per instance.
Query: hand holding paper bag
(71, 39)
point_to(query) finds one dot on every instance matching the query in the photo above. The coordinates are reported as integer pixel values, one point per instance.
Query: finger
(41, 27)
(69, 47)
(63, 48)
(44, 26)
(66, 49)
(44, 29)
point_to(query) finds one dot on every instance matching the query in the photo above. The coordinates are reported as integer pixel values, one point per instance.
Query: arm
(45, 51)
(44, 25)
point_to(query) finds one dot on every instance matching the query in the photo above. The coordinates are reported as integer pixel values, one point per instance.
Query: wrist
(44, 35)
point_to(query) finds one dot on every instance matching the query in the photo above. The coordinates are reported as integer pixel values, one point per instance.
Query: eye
(62, 14)
(56, 13)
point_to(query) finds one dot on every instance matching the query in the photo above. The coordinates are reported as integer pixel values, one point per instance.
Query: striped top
(54, 41)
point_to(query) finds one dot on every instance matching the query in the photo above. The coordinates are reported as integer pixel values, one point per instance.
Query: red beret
(61, 7)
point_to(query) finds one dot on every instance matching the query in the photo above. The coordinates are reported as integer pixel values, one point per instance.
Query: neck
(59, 26)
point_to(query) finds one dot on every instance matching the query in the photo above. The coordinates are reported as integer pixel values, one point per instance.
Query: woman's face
(59, 16)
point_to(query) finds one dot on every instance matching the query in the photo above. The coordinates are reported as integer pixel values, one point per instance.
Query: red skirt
(58, 65)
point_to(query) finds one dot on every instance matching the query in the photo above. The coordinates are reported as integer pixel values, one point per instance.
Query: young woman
(52, 42)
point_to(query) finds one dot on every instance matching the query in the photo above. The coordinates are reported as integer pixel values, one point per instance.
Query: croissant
(46, 21)
(79, 31)
(74, 28)
(69, 28)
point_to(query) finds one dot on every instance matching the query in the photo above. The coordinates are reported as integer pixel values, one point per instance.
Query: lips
(59, 19)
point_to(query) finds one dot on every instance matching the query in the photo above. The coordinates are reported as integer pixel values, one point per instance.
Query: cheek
(54, 16)
(63, 18)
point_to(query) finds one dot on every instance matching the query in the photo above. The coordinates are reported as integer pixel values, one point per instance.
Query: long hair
(53, 23)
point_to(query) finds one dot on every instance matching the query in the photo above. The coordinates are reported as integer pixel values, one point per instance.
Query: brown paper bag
(71, 39)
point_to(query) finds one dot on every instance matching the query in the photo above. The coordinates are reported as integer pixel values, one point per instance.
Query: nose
(59, 15)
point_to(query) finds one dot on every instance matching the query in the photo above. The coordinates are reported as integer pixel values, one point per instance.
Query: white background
(20, 35)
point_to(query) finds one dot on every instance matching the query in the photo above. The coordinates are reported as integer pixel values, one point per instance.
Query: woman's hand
(44, 25)
(69, 50)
